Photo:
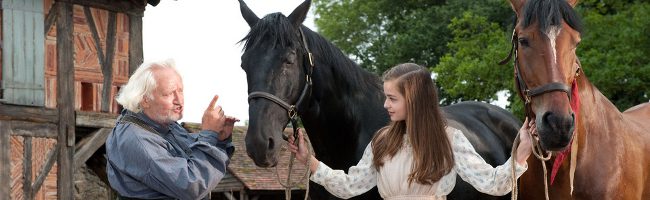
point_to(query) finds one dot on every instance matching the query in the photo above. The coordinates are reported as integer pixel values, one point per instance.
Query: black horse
(289, 68)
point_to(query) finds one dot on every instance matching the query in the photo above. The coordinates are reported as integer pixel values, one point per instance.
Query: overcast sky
(202, 36)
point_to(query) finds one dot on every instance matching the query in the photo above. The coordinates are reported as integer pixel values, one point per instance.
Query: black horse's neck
(346, 102)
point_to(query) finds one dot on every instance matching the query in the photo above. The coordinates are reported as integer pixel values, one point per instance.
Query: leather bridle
(524, 92)
(292, 109)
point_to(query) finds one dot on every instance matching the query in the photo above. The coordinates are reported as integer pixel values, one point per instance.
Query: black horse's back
(490, 129)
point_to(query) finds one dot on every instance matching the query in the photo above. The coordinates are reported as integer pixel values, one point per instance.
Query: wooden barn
(62, 63)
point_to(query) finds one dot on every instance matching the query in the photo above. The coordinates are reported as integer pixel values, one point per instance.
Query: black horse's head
(276, 66)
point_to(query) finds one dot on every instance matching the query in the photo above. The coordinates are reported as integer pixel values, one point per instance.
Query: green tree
(469, 70)
(614, 53)
(379, 34)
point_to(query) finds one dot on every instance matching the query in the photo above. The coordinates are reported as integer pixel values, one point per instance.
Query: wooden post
(65, 100)
(107, 69)
(27, 168)
(5, 166)
(135, 42)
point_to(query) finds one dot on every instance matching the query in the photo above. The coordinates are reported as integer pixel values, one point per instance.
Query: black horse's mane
(277, 29)
(550, 13)
(274, 28)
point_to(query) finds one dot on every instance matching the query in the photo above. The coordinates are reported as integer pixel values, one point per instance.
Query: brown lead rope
(289, 184)
(539, 154)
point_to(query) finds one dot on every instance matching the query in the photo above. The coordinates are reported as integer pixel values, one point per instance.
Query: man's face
(167, 103)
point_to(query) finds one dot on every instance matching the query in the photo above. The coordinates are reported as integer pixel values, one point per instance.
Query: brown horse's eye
(523, 42)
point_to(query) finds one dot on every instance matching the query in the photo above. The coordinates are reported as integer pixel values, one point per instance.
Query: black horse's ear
(299, 14)
(248, 14)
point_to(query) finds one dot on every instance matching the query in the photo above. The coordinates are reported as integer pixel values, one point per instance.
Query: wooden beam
(34, 129)
(89, 145)
(50, 18)
(96, 119)
(25, 113)
(129, 7)
(93, 29)
(229, 196)
(42, 174)
(39, 115)
(107, 68)
(5, 165)
(27, 168)
(135, 43)
(106, 62)
(65, 100)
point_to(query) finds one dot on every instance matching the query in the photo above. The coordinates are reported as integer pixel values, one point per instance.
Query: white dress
(392, 178)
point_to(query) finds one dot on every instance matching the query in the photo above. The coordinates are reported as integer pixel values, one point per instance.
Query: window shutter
(23, 52)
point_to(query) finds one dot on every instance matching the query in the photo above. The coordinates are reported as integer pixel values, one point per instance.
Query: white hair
(141, 84)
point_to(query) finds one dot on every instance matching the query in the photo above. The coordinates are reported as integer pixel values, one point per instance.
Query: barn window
(87, 97)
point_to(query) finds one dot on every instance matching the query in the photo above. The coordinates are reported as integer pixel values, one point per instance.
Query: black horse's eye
(290, 58)
(524, 42)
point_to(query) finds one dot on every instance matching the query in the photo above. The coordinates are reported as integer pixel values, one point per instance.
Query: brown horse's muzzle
(555, 130)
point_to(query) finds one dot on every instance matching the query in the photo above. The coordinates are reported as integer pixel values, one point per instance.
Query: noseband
(292, 109)
(524, 92)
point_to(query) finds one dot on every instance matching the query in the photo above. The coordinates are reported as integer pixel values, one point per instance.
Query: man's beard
(169, 117)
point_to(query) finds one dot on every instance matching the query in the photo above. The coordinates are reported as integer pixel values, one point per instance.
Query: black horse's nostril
(271, 144)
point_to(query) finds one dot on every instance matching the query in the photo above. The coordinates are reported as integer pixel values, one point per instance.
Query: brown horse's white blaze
(552, 34)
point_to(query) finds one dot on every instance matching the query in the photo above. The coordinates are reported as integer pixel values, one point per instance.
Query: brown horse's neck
(595, 108)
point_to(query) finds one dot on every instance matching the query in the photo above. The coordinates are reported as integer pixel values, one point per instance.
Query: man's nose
(178, 98)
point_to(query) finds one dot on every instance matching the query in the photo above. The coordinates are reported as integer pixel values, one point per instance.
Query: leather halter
(524, 92)
(292, 109)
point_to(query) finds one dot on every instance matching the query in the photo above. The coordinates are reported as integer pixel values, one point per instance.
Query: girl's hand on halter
(525, 147)
(302, 154)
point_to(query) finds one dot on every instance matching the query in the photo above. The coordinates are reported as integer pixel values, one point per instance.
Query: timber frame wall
(59, 124)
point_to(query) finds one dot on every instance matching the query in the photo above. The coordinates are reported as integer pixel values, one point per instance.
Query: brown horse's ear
(248, 14)
(573, 3)
(299, 14)
(517, 5)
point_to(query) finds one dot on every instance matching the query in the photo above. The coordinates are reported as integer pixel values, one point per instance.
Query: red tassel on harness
(575, 106)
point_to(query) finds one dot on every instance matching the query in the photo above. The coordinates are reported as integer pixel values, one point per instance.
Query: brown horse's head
(545, 39)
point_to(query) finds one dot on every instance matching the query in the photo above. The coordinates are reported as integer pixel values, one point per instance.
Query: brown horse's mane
(550, 13)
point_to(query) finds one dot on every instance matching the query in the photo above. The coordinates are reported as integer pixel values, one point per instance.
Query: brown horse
(613, 148)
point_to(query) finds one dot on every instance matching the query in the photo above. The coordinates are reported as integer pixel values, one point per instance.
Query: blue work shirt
(170, 164)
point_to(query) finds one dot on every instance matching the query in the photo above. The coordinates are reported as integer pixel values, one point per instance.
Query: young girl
(417, 156)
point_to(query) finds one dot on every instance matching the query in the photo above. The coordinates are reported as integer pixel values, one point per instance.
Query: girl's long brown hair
(432, 153)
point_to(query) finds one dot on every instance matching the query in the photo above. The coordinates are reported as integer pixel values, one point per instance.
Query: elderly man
(150, 156)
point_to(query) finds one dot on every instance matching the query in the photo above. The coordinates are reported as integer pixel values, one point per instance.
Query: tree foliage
(469, 70)
(615, 51)
(462, 41)
(382, 33)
